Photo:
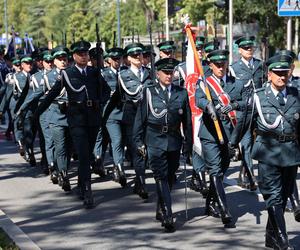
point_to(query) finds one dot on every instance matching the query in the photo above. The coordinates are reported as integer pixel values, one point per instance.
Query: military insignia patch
(58, 77)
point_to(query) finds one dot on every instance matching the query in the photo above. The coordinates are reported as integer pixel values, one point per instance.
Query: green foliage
(44, 19)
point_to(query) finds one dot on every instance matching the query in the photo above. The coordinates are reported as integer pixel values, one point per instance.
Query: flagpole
(14, 39)
(200, 69)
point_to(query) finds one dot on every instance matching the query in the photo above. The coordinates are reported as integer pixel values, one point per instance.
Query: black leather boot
(159, 211)
(21, 149)
(242, 182)
(210, 205)
(119, 175)
(294, 198)
(279, 238)
(98, 167)
(31, 158)
(88, 200)
(269, 236)
(140, 187)
(203, 184)
(220, 197)
(164, 195)
(65, 183)
(53, 173)
(194, 182)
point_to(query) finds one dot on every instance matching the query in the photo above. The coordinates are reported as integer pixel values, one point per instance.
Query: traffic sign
(288, 8)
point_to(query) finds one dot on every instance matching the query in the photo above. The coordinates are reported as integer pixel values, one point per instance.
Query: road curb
(16, 234)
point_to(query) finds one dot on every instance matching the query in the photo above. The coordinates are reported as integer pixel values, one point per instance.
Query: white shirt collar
(246, 62)
(80, 69)
(169, 87)
(275, 91)
(136, 70)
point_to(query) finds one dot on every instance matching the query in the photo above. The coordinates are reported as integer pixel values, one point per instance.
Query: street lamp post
(6, 22)
(230, 31)
(167, 21)
(118, 24)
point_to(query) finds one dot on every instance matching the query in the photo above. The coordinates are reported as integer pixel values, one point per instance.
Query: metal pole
(167, 21)
(289, 34)
(118, 24)
(6, 22)
(297, 36)
(230, 31)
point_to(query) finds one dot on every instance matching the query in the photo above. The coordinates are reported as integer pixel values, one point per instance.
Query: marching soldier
(164, 107)
(102, 139)
(57, 119)
(114, 121)
(276, 147)
(12, 96)
(82, 85)
(16, 65)
(131, 81)
(226, 98)
(293, 81)
(198, 181)
(166, 49)
(249, 72)
(37, 96)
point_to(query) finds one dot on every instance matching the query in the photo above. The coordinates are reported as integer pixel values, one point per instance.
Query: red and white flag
(192, 76)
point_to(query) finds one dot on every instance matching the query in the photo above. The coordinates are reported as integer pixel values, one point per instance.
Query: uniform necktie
(166, 94)
(280, 99)
(250, 66)
(83, 72)
(139, 75)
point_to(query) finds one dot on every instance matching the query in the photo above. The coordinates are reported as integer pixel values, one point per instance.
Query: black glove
(211, 110)
(228, 108)
(142, 151)
(1, 115)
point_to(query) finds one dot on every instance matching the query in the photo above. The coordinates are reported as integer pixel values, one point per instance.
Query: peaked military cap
(148, 49)
(26, 58)
(46, 55)
(166, 46)
(16, 61)
(211, 46)
(166, 64)
(80, 46)
(245, 41)
(279, 63)
(288, 53)
(59, 51)
(134, 49)
(218, 56)
(200, 41)
(115, 52)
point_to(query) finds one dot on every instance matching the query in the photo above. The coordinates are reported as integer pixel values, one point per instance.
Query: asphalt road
(121, 220)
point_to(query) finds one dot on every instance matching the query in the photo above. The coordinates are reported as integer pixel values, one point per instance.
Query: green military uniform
(83, 113)
(250, 74)
(113, 124)
(131, 81)
(41, 88)
(157, 125)
(216, 155)
(276, 147)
